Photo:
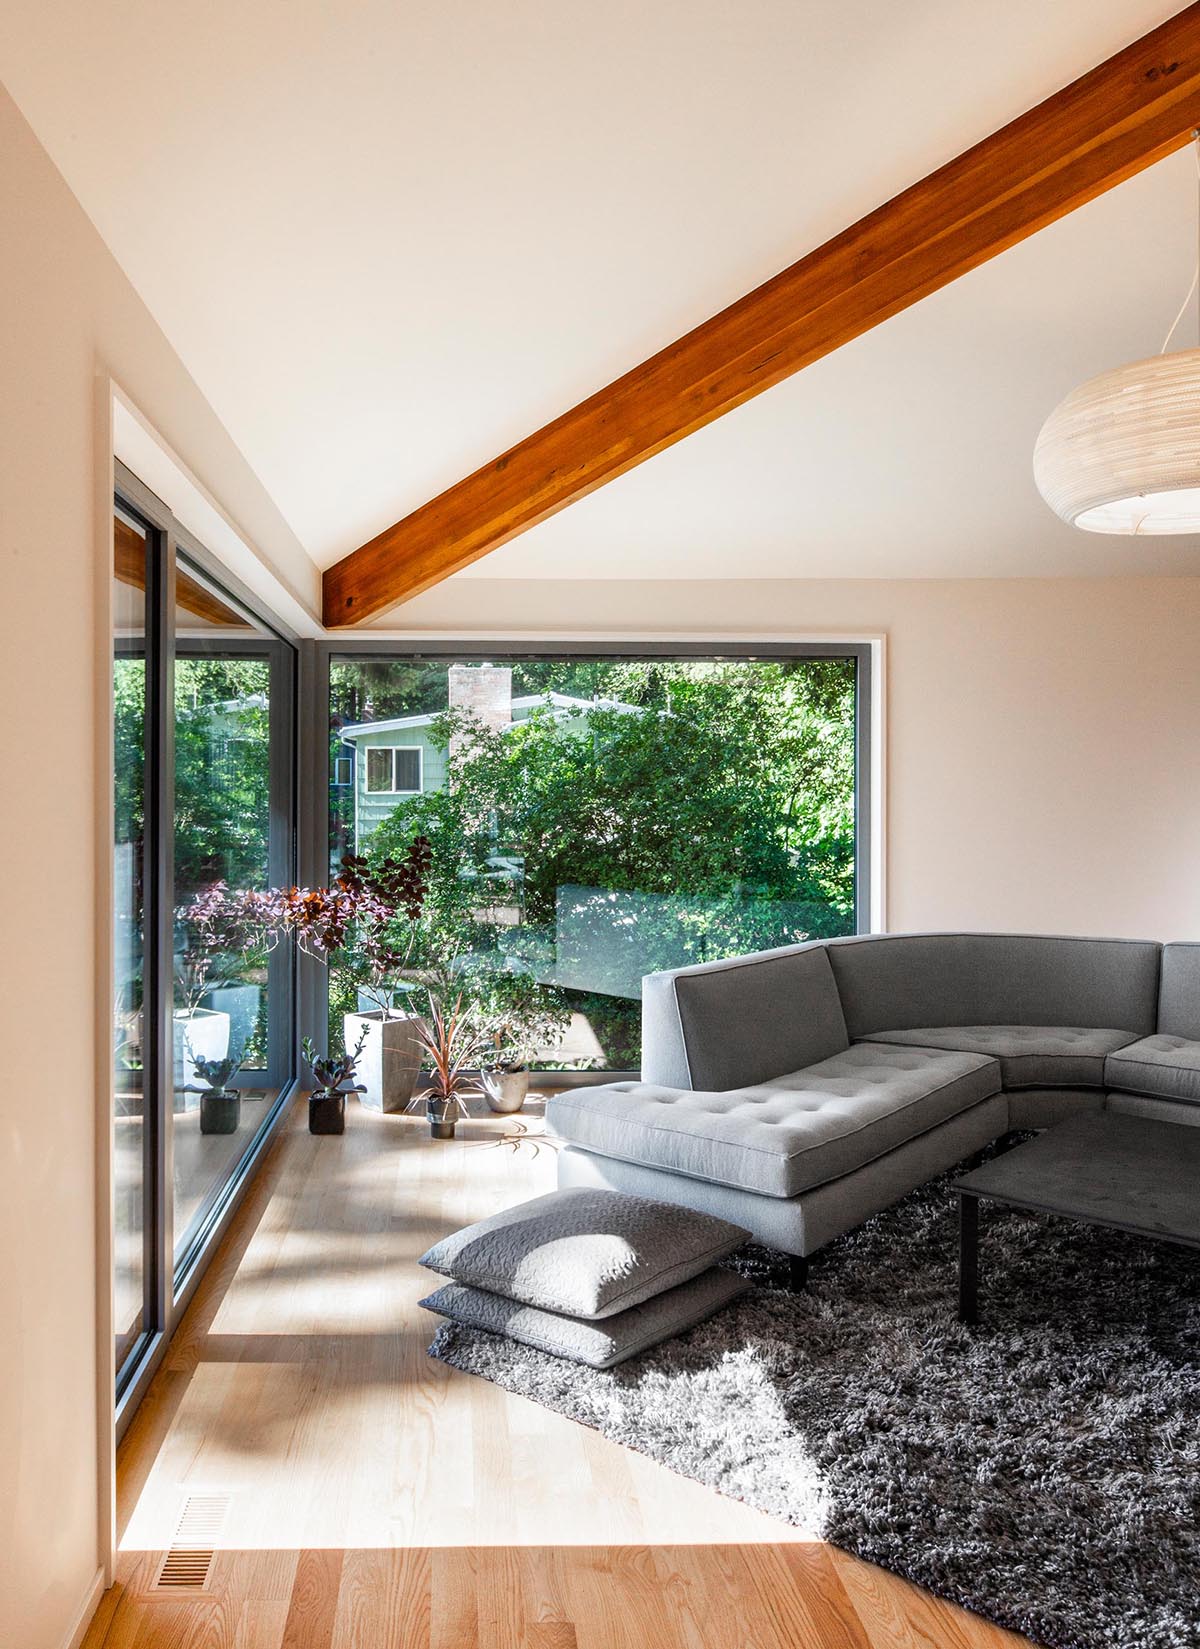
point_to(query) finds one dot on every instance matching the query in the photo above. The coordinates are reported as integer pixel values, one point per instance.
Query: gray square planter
(390, 1062)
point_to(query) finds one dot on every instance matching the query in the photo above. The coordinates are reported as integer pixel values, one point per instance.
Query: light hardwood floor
(366, 1497)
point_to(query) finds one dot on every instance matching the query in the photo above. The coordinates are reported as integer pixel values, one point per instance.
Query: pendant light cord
(1196, 277)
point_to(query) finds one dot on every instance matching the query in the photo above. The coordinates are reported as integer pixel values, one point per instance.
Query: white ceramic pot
(505, 1091)
(202, 1034)
(390, 1062)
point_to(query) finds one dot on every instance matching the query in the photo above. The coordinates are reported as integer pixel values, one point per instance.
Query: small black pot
(326, 1112)
(220, 1113)
(442, 1116)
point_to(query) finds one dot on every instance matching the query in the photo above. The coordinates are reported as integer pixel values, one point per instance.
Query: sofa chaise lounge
(799, 1091)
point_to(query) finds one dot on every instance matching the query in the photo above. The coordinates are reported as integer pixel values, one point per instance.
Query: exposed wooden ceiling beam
(1103, 128)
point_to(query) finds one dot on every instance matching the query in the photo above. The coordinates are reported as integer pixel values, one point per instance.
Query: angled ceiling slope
(1131, 111)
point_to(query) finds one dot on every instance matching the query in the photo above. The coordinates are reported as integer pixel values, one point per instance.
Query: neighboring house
(231, 733)
(383, 762)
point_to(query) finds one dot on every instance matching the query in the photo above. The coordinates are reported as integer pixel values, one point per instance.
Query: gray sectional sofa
(798, 1091)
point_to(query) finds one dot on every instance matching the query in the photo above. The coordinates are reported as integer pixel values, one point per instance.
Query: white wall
(1043, 735)
(68, 319)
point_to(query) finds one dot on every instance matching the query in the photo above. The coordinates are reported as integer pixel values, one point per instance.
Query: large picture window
(595, 818)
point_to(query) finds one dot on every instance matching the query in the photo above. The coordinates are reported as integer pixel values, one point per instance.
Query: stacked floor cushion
(591, 1275)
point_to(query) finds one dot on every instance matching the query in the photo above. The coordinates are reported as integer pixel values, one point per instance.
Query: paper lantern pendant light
(1122, 453)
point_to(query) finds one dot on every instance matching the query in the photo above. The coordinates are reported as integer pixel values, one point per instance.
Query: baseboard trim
(87, 1609)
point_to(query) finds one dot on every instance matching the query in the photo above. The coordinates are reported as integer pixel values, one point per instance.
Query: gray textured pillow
(585, 1253)
(599, 1343)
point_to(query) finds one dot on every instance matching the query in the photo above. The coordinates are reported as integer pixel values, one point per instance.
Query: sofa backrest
(1179, 992)
(903, 981)
(731, 1024)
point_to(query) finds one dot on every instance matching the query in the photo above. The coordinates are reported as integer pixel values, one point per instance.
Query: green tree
(222, 772)
(727, 799)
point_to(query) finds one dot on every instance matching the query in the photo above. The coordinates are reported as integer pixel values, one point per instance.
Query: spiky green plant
(452, 1045)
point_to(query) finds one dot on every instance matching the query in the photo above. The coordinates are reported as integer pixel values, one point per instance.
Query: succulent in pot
(452, 1044)
(333, 1075)
(220, 1105)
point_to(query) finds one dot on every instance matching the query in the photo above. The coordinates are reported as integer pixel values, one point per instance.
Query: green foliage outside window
(222, 789)
(725, 803)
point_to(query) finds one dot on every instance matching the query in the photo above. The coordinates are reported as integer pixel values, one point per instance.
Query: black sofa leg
(797, 1273)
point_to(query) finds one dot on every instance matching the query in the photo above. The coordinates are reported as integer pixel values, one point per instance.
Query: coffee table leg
(968, 1259)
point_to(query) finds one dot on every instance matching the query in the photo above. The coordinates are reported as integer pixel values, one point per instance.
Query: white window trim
(393, 748)
(344, 784)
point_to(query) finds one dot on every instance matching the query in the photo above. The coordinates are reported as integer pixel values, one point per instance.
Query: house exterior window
(343, 771)
(394, 770)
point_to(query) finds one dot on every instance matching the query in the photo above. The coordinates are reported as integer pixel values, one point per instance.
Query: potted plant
(334, 1078)
(366, 922)
(523, 1017)
(452, 1044)
(220, 1105)
(505, 1083)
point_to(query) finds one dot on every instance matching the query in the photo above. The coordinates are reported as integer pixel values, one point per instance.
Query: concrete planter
(390, 1062)
(201, 1034)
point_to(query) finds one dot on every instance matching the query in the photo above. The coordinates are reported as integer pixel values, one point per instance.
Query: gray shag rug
(1042, 1470)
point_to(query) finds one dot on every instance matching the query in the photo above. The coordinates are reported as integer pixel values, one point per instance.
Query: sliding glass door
(204, 815)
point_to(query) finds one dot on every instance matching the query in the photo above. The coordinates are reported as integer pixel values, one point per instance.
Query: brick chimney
(483, 689)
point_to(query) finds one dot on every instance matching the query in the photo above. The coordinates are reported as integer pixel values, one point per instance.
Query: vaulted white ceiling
(390, 240)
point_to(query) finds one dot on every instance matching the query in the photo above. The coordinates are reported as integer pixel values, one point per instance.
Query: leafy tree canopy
(730, 795)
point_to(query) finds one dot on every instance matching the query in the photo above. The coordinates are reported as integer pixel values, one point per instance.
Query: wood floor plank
(384, 1598)
(800, 1583)
(261, 1625)
(313, 1603)
(378, 1498)
(454, 1598)
(616, 1603)
(897, 1612)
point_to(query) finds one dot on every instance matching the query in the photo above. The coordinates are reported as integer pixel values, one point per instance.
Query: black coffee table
(1103, 1169)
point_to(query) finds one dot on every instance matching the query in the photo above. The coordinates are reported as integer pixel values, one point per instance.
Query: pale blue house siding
(372, 807)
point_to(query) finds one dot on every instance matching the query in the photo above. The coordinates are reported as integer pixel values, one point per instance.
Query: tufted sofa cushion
(1031, 1056)
(786, 1136)
(901, 981)
(1167, 1067)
